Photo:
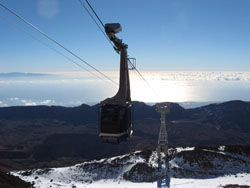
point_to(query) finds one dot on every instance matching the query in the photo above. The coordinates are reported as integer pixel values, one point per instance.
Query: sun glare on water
(158, 90)
(183, 86)
(72, 89)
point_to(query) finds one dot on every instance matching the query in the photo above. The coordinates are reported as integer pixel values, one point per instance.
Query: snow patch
(189, 167)
(180, 149)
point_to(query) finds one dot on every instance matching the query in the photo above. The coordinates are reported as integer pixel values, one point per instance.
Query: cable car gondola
(116, 112)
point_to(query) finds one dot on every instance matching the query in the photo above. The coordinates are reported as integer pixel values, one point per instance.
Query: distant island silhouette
(22, 74)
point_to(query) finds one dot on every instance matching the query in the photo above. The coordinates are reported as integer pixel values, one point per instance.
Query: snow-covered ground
(241, 179)
(189, 167)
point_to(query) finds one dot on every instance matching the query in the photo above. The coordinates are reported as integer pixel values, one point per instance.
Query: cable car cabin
(115, 112)
(115, 123)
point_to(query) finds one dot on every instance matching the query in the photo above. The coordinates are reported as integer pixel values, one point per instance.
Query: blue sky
(162, 34)
(188, 50)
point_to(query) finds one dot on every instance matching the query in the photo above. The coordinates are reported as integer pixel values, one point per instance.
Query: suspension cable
(51, 39)
(95, 13)
(47, 45)
(96, 23)
(142, 77)
(134, 68)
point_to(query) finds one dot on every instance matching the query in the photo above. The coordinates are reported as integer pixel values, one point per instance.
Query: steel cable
(51, 39)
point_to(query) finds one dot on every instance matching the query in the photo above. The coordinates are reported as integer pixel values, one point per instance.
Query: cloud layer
(24, 102)
(198, 75)
(76, 88)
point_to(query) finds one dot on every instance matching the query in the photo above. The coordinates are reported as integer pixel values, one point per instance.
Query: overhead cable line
(96, 22)
(133, 67)
(51, 39)
(47, 45)
(140, 75)
(95, 13)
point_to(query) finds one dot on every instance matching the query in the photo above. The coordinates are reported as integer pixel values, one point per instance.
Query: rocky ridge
(142, 166)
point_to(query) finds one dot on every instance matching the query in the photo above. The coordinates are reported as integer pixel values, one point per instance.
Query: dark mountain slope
(83, 113)
(233, 115)
(80, 114)
(144, 111)
(42, 136)
(10, 181)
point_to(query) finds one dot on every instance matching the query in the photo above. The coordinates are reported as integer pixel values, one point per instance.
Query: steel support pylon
(162, 147)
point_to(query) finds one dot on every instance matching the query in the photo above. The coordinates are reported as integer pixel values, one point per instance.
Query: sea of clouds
(72, 89)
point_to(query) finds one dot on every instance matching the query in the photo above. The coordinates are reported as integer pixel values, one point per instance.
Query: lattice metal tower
(163, 109)
(162, 147)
